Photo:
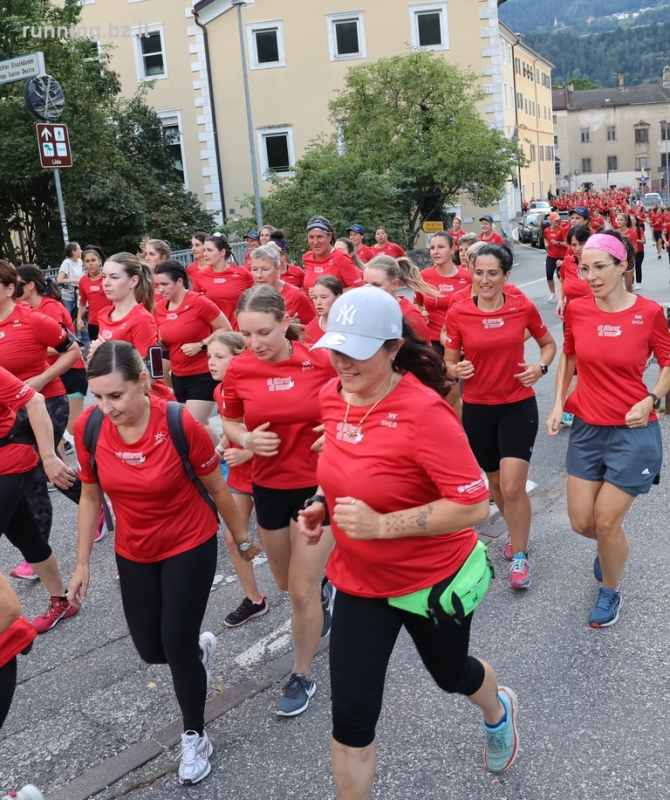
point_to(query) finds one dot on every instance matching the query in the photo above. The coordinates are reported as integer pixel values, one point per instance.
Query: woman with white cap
(406, 553)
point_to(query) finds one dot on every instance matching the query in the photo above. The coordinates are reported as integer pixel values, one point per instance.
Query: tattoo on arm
(414, 520)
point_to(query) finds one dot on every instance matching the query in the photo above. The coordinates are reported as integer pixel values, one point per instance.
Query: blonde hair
(160, 246)
(472, 251)
(230, 339)
(404, 270)
(133, 267)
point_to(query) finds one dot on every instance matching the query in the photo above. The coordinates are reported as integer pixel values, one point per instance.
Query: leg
(277, 546)
(496, 491)
(516, 503)
(7, 687)
(639, 258)
(76, 407)
(141, 598)
(611, 507)
(243, 569)
(201, 409)
(582, 497)
(550, 268)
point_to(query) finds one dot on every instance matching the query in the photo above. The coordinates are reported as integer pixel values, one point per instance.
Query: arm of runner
(638, 416)
(261, 441)
(311, 519)
(533, 372)
(456, 368)
(225, 504)
(564, 374)
(88, 516)
(57, 471)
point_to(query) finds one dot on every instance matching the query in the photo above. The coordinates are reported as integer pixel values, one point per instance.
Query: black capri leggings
(639, 258)
(550, 267)
(7, 687)
(164, 603)
(362, 638)
(16, 518)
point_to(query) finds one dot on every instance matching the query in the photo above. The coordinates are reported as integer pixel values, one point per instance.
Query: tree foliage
(578, 84)
(122, 185)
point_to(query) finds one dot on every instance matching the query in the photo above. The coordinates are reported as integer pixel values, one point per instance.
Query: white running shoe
(195, 753)
(551, 298)
(207, 644)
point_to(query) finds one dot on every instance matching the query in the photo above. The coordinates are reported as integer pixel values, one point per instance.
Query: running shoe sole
(612, 621)
(514, 704)
(310, 693)
(189, 781)
(14, 574)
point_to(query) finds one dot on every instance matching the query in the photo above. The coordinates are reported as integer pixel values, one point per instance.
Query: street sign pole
(61, 206)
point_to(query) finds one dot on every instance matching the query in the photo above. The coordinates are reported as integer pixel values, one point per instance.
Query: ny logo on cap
(346, 315)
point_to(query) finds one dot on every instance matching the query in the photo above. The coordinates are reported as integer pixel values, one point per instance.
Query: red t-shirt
(286, 396)
(632, 235)
(193, 270)
(494, 238)
(297, 303)
(554, 241)
(25, 336)
(437, 307)
(656, 221)
(574, 285)
(366, 253)
(596, 223)
(389, 249)
(397, 463)
(14, 394)
(612, 350)
(92, 295)
(466, 294)
(224, 288)
(415, 319)
(456, 235)
(494, 342)
(294, 275)
(338, 264)
(56, 310)
(313, 331)
(159, 510)
(189, 322)
(239, 478)
(138, 328)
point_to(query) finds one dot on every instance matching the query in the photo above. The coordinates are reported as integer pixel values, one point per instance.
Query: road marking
(269, 644)
(521, 285)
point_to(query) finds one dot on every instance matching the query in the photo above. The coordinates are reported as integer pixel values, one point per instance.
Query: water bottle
(28, 792)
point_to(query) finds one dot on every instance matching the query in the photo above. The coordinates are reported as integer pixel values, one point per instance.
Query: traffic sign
(432, 227)
(22, 67)
(54, 145)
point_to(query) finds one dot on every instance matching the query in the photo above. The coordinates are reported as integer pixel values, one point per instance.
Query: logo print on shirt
(307, 365)
(609, 330)
(637, 319)
(280, 384)
(497, 322)
(446, 287)
(132, 459)
(17, 323)
(94, 289)
(106, 335)
(346, 315)
(172, 316)
(471, 488)
(2, 334)
(160, 437)
(390, 422)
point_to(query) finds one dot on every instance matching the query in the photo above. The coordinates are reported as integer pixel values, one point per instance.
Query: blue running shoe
(502, 742)
(606, 610)
(597, 571)
(297, 694)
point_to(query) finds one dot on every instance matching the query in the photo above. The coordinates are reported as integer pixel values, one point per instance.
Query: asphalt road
(91, 720)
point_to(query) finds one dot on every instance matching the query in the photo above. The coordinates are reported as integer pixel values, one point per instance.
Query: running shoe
(328, 592)
(551, 298)
(58, 609)
(606, 610)
(245, 611)
(67, 447)
(502, 740)
(519, 572)
(567, 419)
(195, 754)
(508, 551)
(297, 693)
(24, 571)
(207, 644)
(28, 792)
(597, 570)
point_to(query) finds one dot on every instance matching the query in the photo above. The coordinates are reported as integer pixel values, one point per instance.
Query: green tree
(122, 185)
(578, 84)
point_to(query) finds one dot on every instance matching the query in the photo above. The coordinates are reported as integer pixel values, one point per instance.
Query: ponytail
(45, 287)
(134, 268)
(421, 360)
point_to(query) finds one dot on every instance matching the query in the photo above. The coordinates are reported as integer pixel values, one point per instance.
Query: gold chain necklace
(354, 431)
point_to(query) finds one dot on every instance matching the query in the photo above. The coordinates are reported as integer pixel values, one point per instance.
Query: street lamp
(250, 125)
(665, 138)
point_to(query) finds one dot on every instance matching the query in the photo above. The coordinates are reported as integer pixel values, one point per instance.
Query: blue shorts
(628, 458)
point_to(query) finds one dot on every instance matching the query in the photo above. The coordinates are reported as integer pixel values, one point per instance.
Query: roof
(564, 99)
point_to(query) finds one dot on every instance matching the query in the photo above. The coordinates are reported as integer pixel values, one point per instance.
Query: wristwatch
(203, 346)
(315, 498)
(244, 546)
(544, 368)
(657, 401)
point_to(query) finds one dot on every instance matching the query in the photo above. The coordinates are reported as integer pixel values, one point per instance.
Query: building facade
(613, 137)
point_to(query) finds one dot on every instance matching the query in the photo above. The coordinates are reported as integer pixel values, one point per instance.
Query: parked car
(523, 228)
(538, 225)
(652, 199)
(537, 205)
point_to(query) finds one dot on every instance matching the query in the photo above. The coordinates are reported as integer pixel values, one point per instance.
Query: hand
(58, 472)
(531, 374)
(560, 307)
(80, 324)
(252, 552)
(78, 589)
(553, 422)
(262, 442)
(464, 369)
(37, 382)
(94, 346)
(191, 349)
(358, 520)
(638, 416)
(310, 522)
(234, 457)
(318, 444)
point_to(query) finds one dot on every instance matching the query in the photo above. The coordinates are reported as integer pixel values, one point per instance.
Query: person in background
(222, 282)
(457, 232)
(323, 258)
(92, 297)
(324, 293)
(265, 233)
(252, 242)
(579, 215)
(155, 252)
(347, 246)
(357, 235)
(291, 273)
(554, 241)
(266, 269)
(656, 225)
(69, 274)
(198, 250)
(466, 241)
(488, 235)
(383, 245)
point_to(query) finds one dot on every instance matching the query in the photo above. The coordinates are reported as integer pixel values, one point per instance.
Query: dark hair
(267, 300)
(133, 267)
(351, 251)
(445, 235)
(93, 251)
(500, 252)
(96, 249)
(200, 236)
(45, 287)
(321, 223)
(330, 282)
(626, 242)
(70, 248)
(116, 356)
(421, 360)
(10, 277)
(221, 243)
(579, 232)
(175, 270)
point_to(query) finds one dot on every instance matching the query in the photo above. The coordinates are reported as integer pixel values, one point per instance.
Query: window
(519, 100)
(517, 64)
(171, 121)
(612, 163)
(506, 96)
(611, 133)
(557, 166)
(586, 165)
(644, 162)
(585, 134)
(532, 157)
(665, 160)
(641, 135)
(266, 44)
(665, 131)
(346, 35)
(541, 149)
(429, 26)
(555, 141)
(549, 150)
(275, 146)
(150, 60)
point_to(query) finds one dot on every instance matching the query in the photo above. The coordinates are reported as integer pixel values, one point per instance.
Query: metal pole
(61, 206)
(665, 131)
(250, 125)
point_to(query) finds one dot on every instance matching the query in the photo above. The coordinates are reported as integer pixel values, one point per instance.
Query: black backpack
(178, 436)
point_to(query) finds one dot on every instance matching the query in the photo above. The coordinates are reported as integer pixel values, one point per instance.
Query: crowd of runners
(341, 384)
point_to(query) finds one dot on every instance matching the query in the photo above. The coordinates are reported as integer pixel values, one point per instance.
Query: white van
(652, 199)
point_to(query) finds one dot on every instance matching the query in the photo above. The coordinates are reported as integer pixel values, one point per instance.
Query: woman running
(615, 449)
(266, 270)
(383, 245)
(456, 232)
(69, 274)
(324, 293)
(555, 244)
(500, 415)
(324, 259)
(155, 252)
(347, 246)
(198, 250)
(92, 296)
(265, 233)
(291, 273)
(221, 282)
(488, 235)
(625, 228)
(402, 517)
(221, 350)
(356, 234)
(271, 409)
(656, 225)
(166, 537)
(638, 224)
(186, 321)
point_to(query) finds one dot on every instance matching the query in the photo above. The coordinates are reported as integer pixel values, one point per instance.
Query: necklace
(353, 432)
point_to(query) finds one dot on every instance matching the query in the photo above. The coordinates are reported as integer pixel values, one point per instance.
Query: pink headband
(610, 244)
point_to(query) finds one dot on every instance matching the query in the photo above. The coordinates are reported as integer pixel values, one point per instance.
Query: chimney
(666, 77)
(622, 82)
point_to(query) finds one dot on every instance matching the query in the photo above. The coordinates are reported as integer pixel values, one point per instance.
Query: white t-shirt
(72, 270)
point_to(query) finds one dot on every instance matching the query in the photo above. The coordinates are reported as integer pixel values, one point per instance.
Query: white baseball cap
(360, 321)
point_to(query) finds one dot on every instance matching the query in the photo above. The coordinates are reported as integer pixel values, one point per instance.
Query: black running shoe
(246, 611)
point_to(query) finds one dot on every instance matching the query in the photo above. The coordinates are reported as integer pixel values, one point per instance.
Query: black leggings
(362, 638)
(550, 266)
(16, 518)
(164, 603)
(7, 687)
(639, 258)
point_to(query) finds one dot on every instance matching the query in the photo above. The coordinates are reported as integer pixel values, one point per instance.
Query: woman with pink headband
(614, 451)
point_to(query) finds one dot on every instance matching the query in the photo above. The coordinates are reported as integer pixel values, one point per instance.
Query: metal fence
(185, 257)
